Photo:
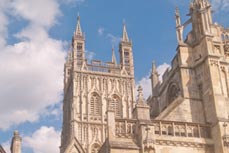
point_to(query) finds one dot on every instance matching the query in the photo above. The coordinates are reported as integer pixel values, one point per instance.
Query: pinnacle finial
(113, 56)
(140, 95)
(177, 12)
(154, 68)
(78, 27)
(124, 34)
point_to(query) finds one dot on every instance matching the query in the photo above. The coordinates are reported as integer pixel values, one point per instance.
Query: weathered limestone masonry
(90, 89)
(187, 112)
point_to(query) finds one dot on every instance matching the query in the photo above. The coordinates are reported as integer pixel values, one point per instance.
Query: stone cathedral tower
(187, 112)
(90, 89)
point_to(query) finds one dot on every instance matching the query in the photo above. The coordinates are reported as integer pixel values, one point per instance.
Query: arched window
(115, 105)
(95, 104)
(173, 92)
(95, 148)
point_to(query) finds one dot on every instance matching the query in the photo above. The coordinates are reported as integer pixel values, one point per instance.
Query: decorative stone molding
(180, 143)
(226, 49)
(225, 136)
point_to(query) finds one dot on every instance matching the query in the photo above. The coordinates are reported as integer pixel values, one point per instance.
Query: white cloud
(220, 5)
(113, 39)
(100, 31)
(32, 69)
(42, 12)
(4, 4)
(161, 69)
(44, 140)
(77, 2)
(89, 55)
(145, 81)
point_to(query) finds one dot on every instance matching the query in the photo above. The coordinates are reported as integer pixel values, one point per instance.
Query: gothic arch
(173, 92)
(95, 104)
(115, 104)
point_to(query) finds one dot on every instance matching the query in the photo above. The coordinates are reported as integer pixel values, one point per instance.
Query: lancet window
(95, 104)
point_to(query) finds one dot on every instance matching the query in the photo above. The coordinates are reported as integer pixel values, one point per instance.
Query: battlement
(107, 67)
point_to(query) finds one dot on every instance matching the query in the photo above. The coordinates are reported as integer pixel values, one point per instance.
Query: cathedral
(187, 111)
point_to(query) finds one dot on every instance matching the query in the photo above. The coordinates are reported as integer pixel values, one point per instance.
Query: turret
(16, 143)
(201, 17)
(78, 46)
(126, 54)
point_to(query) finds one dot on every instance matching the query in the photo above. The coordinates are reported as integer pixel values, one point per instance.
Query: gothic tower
(195, 89)
(90, 89)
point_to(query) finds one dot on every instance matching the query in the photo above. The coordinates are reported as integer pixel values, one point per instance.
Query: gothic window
(173, 92)
(95, 104)
(79, 46)
(126, 57)
(115, 105)
(95, 148)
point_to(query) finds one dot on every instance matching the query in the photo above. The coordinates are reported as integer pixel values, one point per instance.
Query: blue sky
(35, 36)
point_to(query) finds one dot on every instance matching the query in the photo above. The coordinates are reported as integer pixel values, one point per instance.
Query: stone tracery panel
(115, 104)
(173, 92)
(95, 104)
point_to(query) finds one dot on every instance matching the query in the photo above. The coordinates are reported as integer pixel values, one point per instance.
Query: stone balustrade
(181, 129)
(126, 128)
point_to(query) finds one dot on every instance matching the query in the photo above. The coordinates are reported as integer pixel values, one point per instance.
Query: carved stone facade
(187, 112)
(90, 89)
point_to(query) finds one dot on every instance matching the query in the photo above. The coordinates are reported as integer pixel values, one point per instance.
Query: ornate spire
(125, 37)
(78, 31)
(113, 57)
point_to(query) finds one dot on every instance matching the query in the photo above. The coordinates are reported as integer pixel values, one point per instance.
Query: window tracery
(115, 105)
(95, 104)
(173, 92)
